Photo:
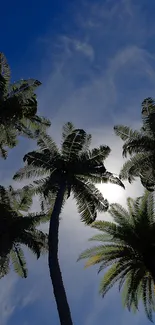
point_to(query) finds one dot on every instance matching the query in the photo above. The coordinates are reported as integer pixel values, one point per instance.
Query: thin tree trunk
(55, 273)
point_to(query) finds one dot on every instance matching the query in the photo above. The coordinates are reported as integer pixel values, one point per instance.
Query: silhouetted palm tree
(140, 145)
(128, 249)
(18, 108)
(73, 168)
(18, 228)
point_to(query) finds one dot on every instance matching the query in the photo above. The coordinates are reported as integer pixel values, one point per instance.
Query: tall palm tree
(128, 249)
(18, 108)
(18, 228)
(73, 168)
(140, 145)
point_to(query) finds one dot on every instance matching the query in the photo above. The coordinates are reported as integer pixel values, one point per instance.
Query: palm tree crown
(17, 229)
(140, 145)
(74, 168)
(18, 108)
(75, 165)
(128, 249)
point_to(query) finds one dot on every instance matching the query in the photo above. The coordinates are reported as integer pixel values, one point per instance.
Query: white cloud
(71, 44)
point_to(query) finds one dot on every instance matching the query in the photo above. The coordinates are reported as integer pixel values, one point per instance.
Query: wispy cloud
(7, 303)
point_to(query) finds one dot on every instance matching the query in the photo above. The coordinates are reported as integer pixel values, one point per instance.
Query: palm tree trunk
(55, 273)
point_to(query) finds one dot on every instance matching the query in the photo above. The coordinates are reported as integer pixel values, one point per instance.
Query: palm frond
(110, 178)
(36, 219)
(134, 166)
(148, 112)
(93, 251)
(67, 129)
(140, 143)
(46, 143)
(5, 197)
(4, 75)
(130, 205)
(127, 249)
(31, 127)
(38, 159)
(111, 277)
(98, 155)
(93, 261)
(24, 87)
(73, 144)
(21, 199)
(106, 226)
(86, 145)
(30, 171)
(150, 206)
(145, 297)
(147, 106)
(119, 214)
(8, 139)
(102, 237)
(4, 266)
(125, 132)
(18, 260)
(89, 200)
(36, 241)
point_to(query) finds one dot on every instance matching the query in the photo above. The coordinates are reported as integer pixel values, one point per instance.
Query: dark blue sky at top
(23, 23)
(24, 26)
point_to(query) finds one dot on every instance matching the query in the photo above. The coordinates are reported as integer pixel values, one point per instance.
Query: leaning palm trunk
(55, 273)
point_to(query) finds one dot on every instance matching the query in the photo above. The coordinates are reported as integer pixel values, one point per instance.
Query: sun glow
(113, 193)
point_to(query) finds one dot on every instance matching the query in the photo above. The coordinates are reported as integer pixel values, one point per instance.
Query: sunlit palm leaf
(18, 261)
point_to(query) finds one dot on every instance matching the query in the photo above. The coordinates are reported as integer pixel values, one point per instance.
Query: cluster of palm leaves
(18, 109)
(18, 116)
(18, 228)
(73, 170)
(127, 249)
(140, 145)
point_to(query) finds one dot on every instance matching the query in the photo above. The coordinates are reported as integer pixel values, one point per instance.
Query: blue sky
(96, 60)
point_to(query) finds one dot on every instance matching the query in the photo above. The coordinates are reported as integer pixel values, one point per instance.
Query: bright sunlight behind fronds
(112, 192)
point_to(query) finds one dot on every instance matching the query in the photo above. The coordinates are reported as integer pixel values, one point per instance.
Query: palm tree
(140, 145)
(72, 169)
(18, 229)
(18, 108)
(128, 249)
